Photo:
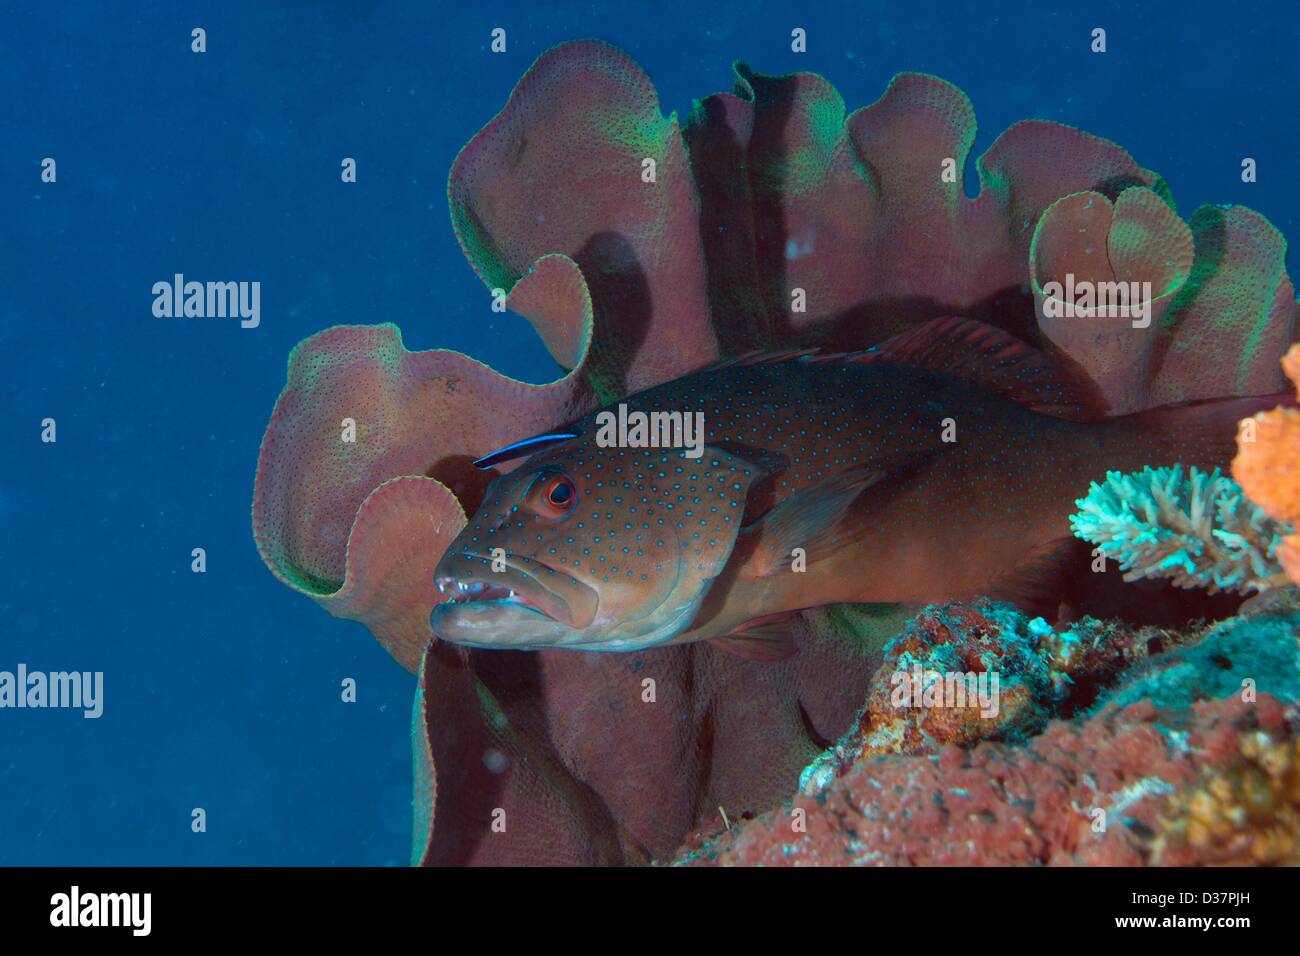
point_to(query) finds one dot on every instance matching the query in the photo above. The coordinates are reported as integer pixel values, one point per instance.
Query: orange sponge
(1267, 465)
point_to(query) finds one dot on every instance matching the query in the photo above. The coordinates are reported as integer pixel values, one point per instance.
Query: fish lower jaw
(499, 623)
(505, 624)
(671, 624)
(513, 590)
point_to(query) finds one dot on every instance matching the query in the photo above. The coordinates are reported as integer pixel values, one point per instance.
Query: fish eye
(552, 495)
(561, 493)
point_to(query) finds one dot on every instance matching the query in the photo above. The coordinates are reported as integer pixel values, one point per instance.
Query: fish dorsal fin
(760, 357)
(991, 359)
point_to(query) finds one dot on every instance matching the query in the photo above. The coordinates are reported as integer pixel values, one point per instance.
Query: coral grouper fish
(940, 465)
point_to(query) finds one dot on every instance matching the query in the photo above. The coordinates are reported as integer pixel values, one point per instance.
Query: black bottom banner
(331, 906)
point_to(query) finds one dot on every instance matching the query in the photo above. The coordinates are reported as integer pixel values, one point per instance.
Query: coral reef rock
(1167, 749)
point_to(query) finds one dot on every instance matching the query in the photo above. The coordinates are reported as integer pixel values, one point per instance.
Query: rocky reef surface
(1109, 745)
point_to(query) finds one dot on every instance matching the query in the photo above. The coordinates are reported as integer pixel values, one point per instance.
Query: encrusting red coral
(1244, 813)
(1123, 788)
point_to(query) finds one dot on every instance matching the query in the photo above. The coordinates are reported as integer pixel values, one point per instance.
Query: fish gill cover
(642, 248)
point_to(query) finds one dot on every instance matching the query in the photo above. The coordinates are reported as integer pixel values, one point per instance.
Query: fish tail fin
(1203, 433)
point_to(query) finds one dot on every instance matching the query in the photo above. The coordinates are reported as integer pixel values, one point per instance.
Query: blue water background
(222, 689)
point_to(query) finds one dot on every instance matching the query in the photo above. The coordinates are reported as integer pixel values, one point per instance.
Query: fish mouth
(523, 603)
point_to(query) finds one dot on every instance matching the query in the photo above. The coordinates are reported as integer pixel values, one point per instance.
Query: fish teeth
(463, 592)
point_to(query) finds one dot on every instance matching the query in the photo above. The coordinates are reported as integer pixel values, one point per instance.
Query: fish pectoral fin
(809, 520)
(762, 640)
(1038, 583)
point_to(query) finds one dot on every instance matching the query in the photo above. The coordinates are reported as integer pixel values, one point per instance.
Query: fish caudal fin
(1203, 434)
(1038, 584)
